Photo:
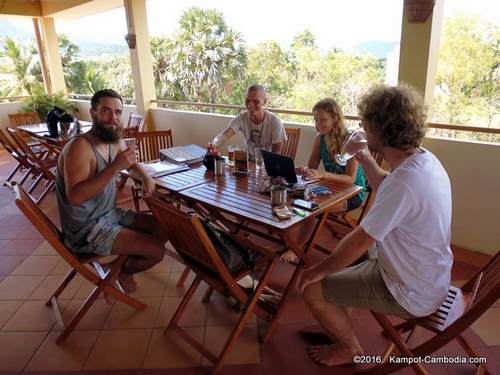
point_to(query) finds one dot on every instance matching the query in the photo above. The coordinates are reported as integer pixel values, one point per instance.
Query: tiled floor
(116, 337)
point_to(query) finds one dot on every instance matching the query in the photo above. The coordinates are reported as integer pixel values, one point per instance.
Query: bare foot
(333, 355)
(289, 256)
(127, 282)
(315, 335)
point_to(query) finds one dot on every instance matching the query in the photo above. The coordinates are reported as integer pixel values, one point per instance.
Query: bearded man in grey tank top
(86, 194)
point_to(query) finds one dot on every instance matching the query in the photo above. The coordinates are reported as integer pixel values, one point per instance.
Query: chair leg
(183, 277)
(62, 285)
(14, 171)
(481, 368)
(180, 309)
(207, 295)
(244, 316)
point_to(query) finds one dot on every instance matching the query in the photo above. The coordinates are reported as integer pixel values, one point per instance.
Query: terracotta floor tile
(123, 316)
(48, 286)
(165, 266)
(33, 316)
(219, 312)
(171, 351)
(37, 265)
(17, 349)
(172, 290)
(488, 327)
(69, 356)
(85, 289)
(245, 350)
(20, 247)
(94, 319)
(479, 259)
(119, 349)
(150, 284)
(61, 268)
(11, 233)
(19, 287)
(9, 263)
(194, 315)
(14, 219)
(30, 232)
(7, 309)
(44, 249)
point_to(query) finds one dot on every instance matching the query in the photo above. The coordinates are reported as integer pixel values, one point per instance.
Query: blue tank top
(333, 167)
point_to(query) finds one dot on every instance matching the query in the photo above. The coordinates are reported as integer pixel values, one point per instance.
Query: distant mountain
(376, 47)
(87, 49)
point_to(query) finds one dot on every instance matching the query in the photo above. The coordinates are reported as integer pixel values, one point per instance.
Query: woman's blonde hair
(337, 135)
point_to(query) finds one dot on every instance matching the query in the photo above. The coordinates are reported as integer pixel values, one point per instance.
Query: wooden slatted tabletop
(240, 197)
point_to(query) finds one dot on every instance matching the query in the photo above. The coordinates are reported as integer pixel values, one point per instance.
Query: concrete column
(419, 52)
(52, 56)
(140, 57)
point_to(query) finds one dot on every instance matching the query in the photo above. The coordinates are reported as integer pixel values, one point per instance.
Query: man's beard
(108, 135)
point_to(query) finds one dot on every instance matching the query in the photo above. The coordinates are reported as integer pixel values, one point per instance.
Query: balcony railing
(239, 108)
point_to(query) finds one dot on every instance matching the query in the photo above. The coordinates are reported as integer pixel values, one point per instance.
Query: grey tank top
(78, 220)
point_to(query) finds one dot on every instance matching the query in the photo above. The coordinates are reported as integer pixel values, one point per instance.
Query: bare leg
(144, 247)
(336, 322)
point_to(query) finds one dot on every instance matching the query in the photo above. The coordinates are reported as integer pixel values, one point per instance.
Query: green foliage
(42, 103)
(205, 55)
(21, 61)
(468, 77)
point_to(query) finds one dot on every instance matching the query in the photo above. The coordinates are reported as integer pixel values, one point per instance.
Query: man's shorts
(362, 286)
(102, 236)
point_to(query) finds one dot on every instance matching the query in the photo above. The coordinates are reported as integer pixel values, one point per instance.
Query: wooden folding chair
(19, 156)
(43, 166)
(104, 281)
(148, 145)
(290, 145)
(25, 118)
(462, 307)
(134, 125)
(345, 219)
(189, 238)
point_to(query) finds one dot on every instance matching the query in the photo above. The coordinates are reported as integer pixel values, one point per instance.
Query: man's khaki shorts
(362, 286)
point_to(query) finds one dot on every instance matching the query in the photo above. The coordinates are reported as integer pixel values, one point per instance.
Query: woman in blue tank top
(330, 125)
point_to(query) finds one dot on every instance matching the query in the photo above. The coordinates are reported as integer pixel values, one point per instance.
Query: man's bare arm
(373, 172)
(276, 147)
(80, 184)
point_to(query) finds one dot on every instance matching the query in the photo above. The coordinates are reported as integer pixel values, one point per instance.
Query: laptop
(280, 165)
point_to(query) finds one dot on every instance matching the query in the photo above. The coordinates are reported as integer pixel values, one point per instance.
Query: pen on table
(299, 212)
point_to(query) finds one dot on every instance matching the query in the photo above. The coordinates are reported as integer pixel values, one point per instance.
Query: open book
(186, 154)
(162, 168)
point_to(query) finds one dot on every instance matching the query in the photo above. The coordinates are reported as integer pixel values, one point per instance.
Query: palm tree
(207, 55)
(22, 63)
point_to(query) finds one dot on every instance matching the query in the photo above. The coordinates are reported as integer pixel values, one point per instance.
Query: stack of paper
(162, 168)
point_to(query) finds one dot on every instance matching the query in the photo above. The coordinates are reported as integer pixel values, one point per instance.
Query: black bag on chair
(234, 256)
(53, 118)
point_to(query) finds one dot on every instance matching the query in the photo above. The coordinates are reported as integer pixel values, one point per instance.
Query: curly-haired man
(406, 232)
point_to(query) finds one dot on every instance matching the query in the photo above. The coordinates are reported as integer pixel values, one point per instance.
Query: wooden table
(236, 202)
(41, 132)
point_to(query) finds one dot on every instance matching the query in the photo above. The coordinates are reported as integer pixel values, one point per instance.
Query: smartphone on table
(306, 205)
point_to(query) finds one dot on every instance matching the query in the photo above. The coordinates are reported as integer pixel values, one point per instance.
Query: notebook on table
(187, 154)
(162, 168)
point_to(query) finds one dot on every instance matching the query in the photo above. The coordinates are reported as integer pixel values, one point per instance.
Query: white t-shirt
(262, 135)
(410, 220)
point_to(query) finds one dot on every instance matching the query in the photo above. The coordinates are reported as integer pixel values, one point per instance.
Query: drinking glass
(355, 142)
(230, 154)
(257, 152)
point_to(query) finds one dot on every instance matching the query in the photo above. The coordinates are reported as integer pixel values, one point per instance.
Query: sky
(334, 23)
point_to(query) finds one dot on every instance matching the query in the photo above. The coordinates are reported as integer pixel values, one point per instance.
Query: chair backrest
(9, 146)
(189, 238)
(149, 144)
(290, 145)
(134, 125)
(23, 118)
(32, 157)
(485, 285)
(43, 224)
